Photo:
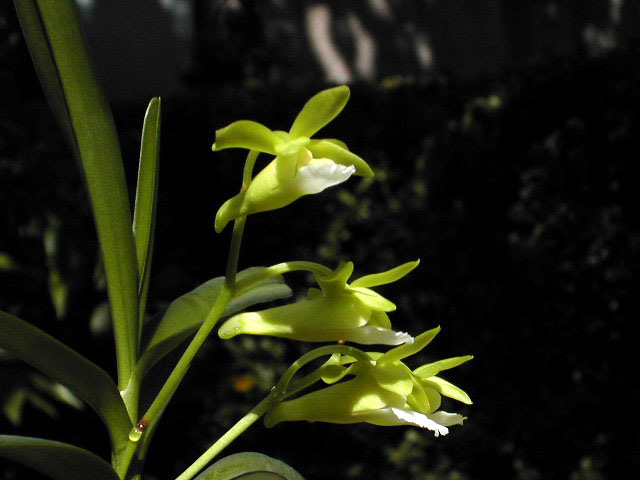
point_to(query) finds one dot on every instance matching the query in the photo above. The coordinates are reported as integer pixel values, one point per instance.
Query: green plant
(372, 387)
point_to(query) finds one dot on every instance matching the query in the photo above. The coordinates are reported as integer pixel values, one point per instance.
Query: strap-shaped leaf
(56, 460)
(249, 466)
(144, 213)
(53, 33)
(185, 314)
(71, 369)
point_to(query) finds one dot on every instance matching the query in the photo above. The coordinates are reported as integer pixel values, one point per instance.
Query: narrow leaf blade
(144, 213)
(185, 314)
(57, 460)
(61, 58)
(71, 369)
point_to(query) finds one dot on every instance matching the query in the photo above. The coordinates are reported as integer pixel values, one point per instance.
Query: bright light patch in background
(318, 20)
(365, 61)
(181, 13)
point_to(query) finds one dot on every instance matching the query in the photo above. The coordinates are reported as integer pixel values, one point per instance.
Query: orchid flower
(301, 165)
(384, 391)
(337, 311)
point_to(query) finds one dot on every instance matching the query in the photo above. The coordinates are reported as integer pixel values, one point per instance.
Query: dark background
(505, 138)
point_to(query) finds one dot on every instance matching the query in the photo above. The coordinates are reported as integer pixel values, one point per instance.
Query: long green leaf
(56, 460)
(53, 33)
(185, 314)
(144, 212)
(249, 466)
(71, 369)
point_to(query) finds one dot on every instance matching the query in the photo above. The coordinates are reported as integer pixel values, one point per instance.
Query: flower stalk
(245, 422)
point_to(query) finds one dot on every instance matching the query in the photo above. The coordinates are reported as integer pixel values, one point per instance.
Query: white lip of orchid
(446, 418)
(321, 173)
(378, 336)
(397, 416)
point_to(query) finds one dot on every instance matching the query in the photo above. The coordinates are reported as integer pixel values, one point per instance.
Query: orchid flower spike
(301, 165)
(383, 391)
(337, 311)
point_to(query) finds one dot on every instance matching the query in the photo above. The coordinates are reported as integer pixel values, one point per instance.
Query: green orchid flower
(384, 391)
(337, 311)
(301, 165)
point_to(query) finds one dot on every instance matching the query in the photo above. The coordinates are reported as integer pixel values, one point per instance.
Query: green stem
(298, 385)
(234, 253)
(312, 355)
(123, 459)
(154, 412)
(178, 373)
(131, 395)
(285, 267)
(249, 419)
(238, 225)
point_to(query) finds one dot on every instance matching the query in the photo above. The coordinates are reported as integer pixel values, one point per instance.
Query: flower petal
(423, 399)
(395, 378)
(448, 389)
(333, 372)
(447, 419)
(247, 134)
(373, 300)
(383, 278)
(319, 110)
(340, 143)
(332, 151)
(336, 403)
(431, 369)
(318, 320)
(398, 416)
(408, 349)
(336, 283)
(380, 319)
(317, 176)
(370, 335)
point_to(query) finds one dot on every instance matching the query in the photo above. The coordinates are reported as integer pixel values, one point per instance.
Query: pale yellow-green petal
(335, 404)
(333, 151)
(394, 377)
(333, 373)
(431, 369)
(321, 319)
(408, 349)
(271, 188)
(379, 319)
(383, 278)
(371, 299)
(448, 389)
(340, 143)
(247, 134)
(336, 283)
(424, 399)
(319, 110)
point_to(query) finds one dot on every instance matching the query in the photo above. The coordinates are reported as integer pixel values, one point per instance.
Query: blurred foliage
(517, 193)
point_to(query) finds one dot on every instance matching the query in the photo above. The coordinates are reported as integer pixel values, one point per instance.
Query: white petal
(321, 174)
(448, 419)
(421, 420)
(378, 336)
(398, 416)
